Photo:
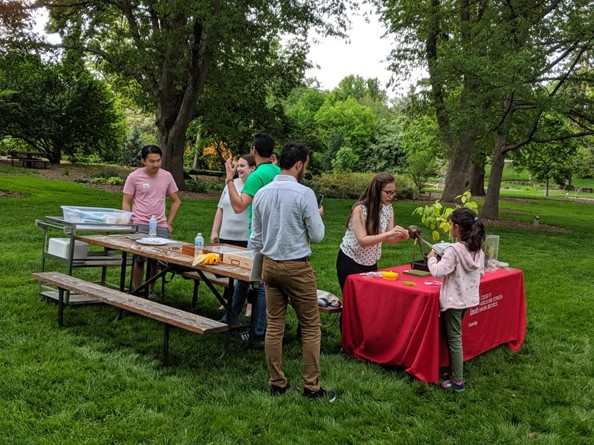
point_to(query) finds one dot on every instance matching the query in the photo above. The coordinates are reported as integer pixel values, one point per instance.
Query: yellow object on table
(206, 258)
(387, 275)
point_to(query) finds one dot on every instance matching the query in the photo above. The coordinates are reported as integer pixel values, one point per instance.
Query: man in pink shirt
(148, 188)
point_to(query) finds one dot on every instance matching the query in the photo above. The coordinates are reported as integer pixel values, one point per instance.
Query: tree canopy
(171, 48)
(56, 109)
(495, 69)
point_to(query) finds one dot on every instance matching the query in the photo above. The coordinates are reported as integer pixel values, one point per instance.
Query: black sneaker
(277, 390)
(319, 394)
(258, 342)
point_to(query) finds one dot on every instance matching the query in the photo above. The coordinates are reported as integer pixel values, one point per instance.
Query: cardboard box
(221, 249)
(61, 247)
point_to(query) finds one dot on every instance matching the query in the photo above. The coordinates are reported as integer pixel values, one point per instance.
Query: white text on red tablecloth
(487, 302)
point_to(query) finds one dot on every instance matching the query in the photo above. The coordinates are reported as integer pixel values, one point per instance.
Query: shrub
(106, 177)
(105, 174)
(351, 185)
(345, 161)
(115, 180)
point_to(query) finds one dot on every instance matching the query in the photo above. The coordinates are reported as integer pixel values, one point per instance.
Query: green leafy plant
(436, 216)
(115, 180)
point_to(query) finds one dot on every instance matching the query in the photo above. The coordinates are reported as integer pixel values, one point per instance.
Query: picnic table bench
(167, 315)
(28, 159)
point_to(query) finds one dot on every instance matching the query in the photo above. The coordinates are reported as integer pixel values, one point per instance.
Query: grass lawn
(97, 381)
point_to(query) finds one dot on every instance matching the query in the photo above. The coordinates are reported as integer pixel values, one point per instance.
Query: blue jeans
(240, 294)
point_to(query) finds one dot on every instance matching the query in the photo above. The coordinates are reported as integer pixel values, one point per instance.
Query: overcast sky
(365, 55)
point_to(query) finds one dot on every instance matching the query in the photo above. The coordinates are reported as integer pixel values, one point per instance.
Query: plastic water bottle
(198, 244)
(153, 226)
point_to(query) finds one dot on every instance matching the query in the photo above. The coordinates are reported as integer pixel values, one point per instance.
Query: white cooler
(61, 246)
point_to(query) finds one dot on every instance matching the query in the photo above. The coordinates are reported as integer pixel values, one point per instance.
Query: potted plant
(436, 216)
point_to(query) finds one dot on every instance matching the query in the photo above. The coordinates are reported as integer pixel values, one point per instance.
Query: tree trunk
(491, 206)
(547, 187)
(477, 179)
(456, 179)
(172, 145)
(196, 154)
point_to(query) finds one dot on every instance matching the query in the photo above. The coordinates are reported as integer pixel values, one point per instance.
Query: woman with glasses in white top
(370, 223)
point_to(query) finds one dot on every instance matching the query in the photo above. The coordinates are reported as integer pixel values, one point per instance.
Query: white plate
(153, 241)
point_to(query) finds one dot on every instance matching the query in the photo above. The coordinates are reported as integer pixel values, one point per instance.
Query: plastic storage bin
(60, 248)
(96, 215)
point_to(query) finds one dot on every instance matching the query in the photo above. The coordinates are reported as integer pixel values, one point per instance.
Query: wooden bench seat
(193, 275)
(224, 282)
(167, 315)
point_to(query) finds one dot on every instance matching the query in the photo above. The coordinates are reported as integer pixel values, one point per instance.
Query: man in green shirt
(266, 170)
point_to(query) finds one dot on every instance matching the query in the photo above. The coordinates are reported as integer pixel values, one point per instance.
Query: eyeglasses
(389, 192)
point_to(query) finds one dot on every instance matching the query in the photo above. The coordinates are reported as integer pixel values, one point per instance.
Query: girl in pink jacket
(461, 268)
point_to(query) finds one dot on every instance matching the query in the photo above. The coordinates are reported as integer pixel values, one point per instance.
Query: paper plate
(153, 241)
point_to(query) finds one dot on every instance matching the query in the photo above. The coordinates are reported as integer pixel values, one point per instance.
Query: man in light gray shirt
(285, 219)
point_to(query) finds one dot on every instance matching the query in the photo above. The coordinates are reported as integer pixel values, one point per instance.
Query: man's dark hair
(291, 153)
(150, 149)
(264, 145)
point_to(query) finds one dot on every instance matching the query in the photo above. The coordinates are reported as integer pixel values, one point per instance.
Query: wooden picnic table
(172, 260)
(28, 159)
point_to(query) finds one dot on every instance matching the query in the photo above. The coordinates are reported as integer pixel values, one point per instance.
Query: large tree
(169, 47)
(488, 64)
(57, 109)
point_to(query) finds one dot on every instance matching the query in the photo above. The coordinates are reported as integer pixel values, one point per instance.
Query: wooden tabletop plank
(127, 243)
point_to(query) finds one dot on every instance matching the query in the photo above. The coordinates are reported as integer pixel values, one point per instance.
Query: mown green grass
(96, 381)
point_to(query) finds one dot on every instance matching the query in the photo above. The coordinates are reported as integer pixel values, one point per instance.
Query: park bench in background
(167, 315)
(28, 159)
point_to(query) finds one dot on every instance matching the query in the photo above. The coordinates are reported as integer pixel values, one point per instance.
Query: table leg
(123, 271)
(166, 344)
(61, 307)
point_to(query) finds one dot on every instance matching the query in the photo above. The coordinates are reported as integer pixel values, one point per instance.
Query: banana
(206, 258)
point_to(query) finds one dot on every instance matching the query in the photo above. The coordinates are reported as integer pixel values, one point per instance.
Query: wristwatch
(227, 181)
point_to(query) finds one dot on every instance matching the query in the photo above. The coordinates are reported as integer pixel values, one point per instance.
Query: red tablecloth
(392, 324)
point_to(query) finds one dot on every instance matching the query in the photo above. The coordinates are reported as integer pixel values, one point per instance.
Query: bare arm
(216, 226)
(391, 236)
(175, 204)
(239, 202)
(127, 202)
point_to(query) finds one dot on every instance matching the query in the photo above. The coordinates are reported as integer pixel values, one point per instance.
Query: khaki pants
(294, 283)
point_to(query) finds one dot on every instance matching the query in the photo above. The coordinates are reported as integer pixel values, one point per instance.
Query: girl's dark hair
(472, 230)
(371, 198)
